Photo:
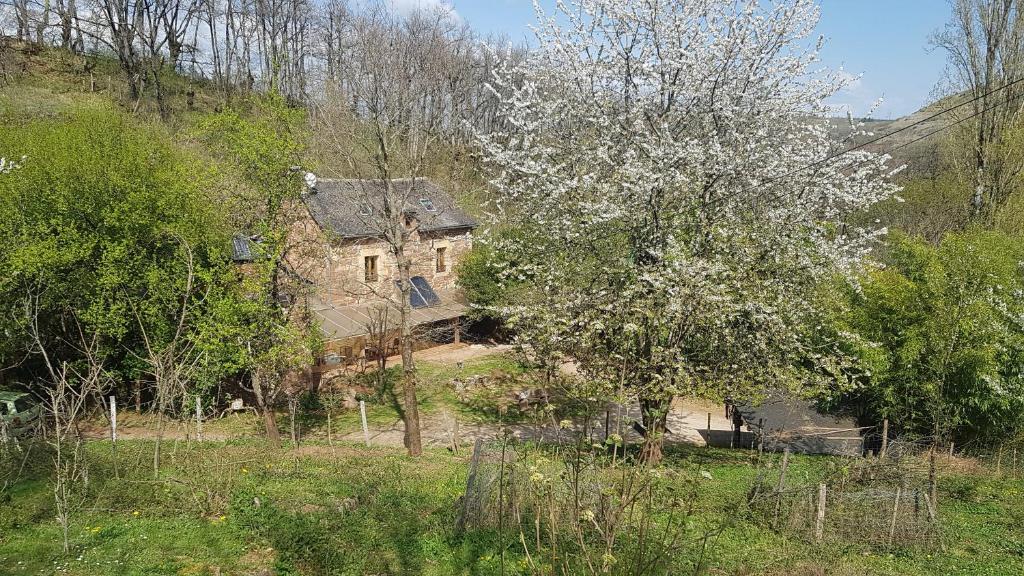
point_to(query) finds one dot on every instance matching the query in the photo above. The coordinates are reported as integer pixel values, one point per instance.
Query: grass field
(245, 508)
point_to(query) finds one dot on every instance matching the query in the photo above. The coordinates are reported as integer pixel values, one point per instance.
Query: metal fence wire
(481, 501)
(878, 501)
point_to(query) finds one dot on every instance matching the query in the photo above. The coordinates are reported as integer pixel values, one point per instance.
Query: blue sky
(885, 41)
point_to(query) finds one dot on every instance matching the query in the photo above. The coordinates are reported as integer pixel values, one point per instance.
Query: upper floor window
(427, 204)
(370, 268)
(442, 260)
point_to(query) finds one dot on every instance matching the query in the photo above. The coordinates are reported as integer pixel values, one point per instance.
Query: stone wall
(336, 267)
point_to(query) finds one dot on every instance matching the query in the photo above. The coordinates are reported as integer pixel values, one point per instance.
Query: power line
(894, 148)
(898, 130)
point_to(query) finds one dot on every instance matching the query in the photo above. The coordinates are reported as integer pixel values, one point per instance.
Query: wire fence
(878, 501)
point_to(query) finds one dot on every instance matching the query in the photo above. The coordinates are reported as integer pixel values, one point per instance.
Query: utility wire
(888, 134)
(898, 130)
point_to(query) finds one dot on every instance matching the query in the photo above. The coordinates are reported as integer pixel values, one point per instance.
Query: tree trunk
(270, 423)
(266, 409)
(410, 408)
(21, 15)
(654, 413)
(43, 24)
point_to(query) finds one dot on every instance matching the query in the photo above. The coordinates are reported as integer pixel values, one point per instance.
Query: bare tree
(69, 388)
(984, 43)
(173, 362)
(379, 329)
(381, 123)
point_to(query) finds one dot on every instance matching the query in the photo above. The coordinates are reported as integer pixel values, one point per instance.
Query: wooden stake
(113, 419)
(930, 506)
(819, 523)
(199, 419)
(113, 435)
(951, 445)
(782, 485)
(455, 434)
(895, 510)
(460, 523)
(329, 443)
(885, 437)
(760, 437)
(362, 415)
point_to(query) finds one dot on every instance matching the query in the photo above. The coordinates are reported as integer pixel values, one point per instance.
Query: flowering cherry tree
(678, 196)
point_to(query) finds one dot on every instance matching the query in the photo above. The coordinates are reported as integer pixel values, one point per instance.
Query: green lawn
(242, 507)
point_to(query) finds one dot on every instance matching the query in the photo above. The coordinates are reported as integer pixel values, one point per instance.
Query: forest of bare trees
(305, 50)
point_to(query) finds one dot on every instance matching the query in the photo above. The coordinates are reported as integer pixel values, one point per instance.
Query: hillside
(914, 139)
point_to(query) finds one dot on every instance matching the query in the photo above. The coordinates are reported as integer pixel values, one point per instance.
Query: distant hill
(915, 138)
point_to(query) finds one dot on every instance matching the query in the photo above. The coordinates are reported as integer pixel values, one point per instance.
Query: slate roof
(341, 206)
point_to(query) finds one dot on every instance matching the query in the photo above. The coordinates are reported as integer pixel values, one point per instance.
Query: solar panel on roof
(416, 299)
(429, 296)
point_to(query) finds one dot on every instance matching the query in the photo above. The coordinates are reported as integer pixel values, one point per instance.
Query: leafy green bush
(937, 335)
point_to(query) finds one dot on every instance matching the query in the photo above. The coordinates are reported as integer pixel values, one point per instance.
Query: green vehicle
(20, 413)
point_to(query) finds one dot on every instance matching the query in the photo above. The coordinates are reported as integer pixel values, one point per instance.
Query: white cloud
(405, 7)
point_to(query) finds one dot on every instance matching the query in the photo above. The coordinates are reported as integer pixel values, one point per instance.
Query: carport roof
(339, 322)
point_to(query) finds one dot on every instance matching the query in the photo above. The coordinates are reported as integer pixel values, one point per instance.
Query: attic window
(427, 205)
(365, 210)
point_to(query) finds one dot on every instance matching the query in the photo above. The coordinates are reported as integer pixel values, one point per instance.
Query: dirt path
(687, 424)
(687, 421)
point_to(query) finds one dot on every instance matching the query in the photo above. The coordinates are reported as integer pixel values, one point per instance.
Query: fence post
(113, 435)
(885, 438)
(819, 523)
(199, 419)
(930, 506)
(707, 441)
(895, 510)
(760, 437)
(113, 419)
(362, 416)
(460, 523)
(782, 484)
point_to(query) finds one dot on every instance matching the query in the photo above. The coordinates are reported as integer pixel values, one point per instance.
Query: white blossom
(677, 192)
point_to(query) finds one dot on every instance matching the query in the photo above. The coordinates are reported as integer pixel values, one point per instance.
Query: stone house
(352, 273)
